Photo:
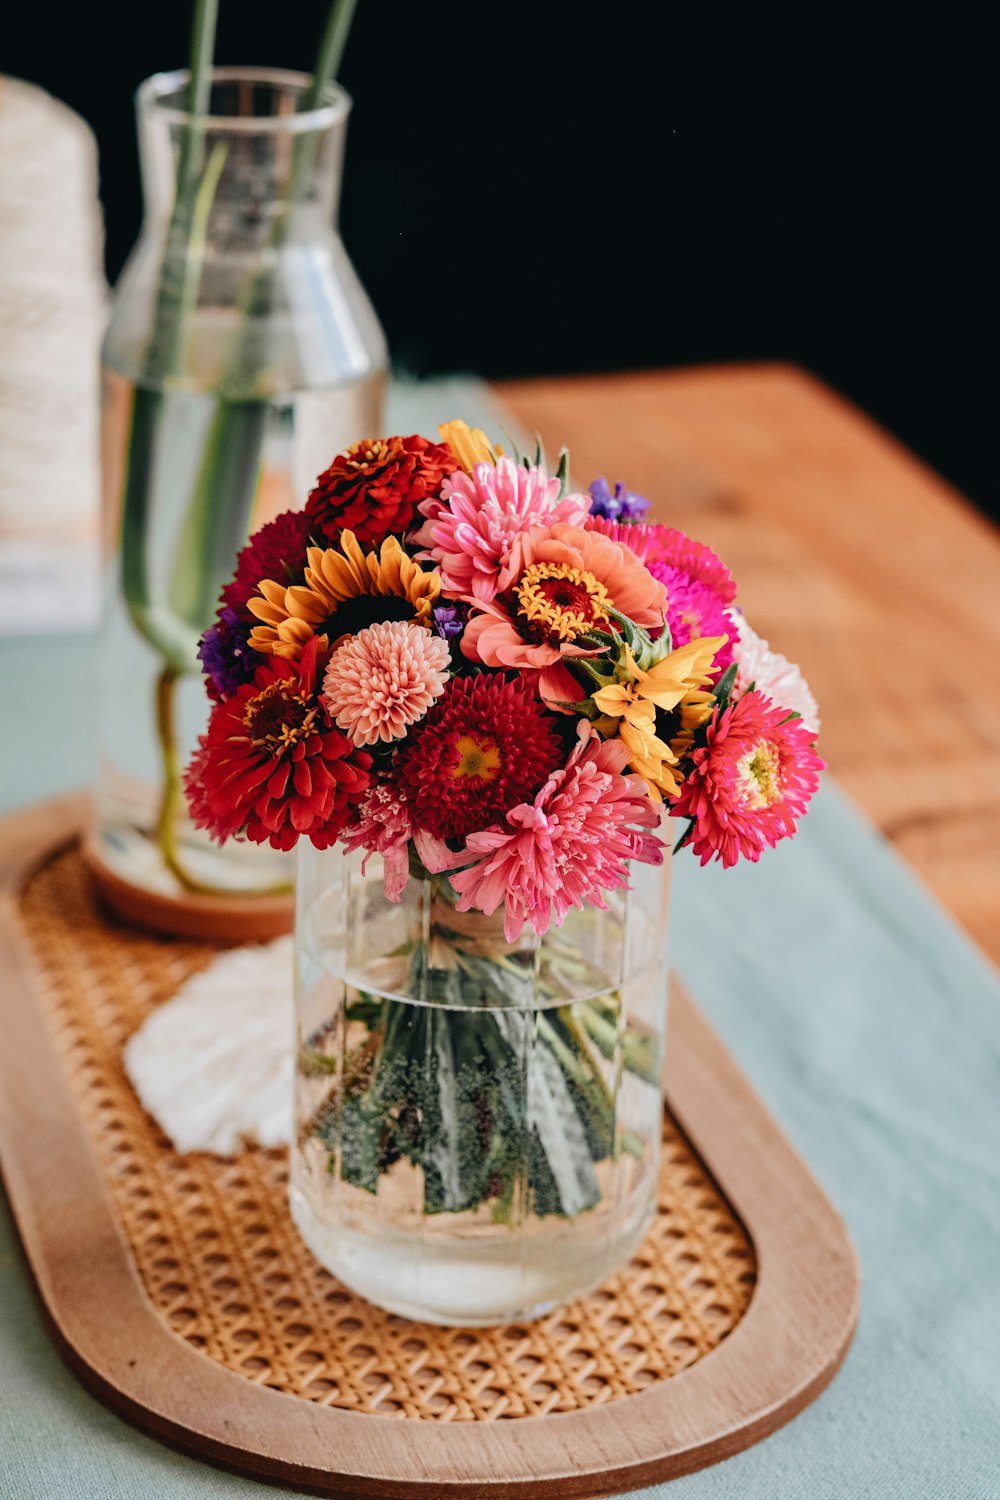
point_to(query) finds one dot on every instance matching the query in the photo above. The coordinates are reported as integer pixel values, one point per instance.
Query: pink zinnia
(469, 531)
(771, 673)
(568, 846)
(662, 547)
(751, 780)
(384, 679)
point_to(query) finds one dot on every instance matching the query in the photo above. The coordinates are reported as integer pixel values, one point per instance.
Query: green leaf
(724, 687)
(562, 472)
(587, 707)
(684, 836)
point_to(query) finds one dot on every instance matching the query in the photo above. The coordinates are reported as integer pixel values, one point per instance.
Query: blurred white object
(53, 305)
(213, 1066)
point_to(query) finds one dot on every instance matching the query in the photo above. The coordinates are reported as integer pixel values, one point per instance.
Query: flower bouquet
(490, 692)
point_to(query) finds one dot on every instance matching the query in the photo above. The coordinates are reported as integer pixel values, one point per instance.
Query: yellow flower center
(477, 757)
(371, 451)
(560, 602)
(759, 775)
(278, 717)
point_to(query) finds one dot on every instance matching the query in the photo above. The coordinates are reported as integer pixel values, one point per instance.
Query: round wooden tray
(179, 1291)
(213, 919)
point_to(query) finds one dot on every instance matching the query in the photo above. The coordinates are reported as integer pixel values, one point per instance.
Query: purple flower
(622, 505)
(450, 619)
(225, 654)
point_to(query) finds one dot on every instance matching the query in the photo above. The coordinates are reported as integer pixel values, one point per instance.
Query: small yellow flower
(675, 685)
(649, 756)
(345, 589)
(470, 445)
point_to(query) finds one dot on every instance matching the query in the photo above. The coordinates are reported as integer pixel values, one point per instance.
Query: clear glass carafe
(478, 1122)
(241, 356)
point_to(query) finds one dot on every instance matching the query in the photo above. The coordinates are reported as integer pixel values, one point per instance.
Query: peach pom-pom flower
(384, 679)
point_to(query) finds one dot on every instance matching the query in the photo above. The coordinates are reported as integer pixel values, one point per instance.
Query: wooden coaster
(213, 919)
(179, 1290)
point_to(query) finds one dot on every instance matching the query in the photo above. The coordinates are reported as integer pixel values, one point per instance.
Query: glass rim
(153, 91)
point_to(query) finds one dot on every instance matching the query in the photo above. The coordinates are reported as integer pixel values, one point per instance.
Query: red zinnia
(485, 746)
(271, 767)
(277, 550)
(375, 487)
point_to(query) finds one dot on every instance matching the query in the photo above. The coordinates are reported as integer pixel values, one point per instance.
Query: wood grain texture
(854, 560)
(780, 1355)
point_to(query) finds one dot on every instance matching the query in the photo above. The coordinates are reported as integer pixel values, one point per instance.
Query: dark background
(541, 188)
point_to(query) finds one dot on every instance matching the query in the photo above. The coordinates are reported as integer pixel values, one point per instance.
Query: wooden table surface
(853, 559)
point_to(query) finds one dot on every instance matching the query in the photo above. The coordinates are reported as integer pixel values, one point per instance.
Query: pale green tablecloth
(871, 1027)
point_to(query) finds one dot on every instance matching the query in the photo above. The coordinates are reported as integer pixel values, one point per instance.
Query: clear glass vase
(478, 1122)
(241, 356)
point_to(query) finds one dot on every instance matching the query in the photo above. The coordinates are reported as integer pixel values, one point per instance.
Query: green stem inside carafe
(486, 1073)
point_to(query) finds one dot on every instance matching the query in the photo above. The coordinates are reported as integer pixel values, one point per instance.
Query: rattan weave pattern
(224, 1267)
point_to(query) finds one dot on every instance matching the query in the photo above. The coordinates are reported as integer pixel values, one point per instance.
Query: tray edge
(805, 1301)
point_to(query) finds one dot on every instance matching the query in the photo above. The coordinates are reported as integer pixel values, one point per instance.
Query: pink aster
(469, 531)
(568, 846)
(662, 547)
(385, 678)
(750, 782)
(695, 610)
(771, 673)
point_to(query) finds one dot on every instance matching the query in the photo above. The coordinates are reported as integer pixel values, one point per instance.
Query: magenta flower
(694, 610)
(751, 781)
(568, 846)
(664, 547)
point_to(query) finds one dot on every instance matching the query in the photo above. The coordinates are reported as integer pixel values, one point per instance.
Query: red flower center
(558, 602)
(279, 716)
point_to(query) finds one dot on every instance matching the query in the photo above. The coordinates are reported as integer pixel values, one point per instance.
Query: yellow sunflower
(345, 590)
(676, 686)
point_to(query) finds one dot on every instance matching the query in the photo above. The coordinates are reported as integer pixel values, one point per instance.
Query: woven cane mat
(223, 1266)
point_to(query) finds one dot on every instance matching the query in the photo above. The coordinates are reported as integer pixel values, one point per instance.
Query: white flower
(771, 673)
